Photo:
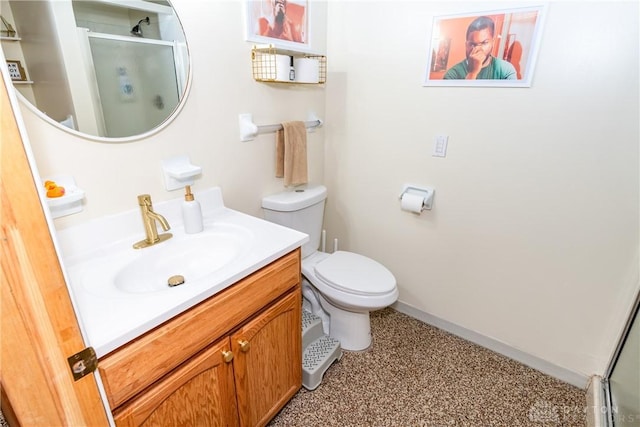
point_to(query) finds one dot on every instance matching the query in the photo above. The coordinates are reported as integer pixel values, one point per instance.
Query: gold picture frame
(16, 70)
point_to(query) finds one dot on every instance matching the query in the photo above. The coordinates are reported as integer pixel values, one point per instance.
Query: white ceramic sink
(123, 272)
(121, 292)
(192, 256)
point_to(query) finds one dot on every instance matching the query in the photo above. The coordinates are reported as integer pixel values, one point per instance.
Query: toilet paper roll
(307, 70)
(283, 67)
(412, 202)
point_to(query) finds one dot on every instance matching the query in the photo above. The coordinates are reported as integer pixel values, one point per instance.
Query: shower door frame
(633, 315)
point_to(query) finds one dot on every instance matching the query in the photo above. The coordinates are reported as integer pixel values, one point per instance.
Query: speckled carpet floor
(417, 375)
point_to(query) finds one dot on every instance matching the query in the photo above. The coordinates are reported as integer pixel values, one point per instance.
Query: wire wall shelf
(264, 62)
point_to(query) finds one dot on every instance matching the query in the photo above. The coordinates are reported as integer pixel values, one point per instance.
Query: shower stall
(136, 82)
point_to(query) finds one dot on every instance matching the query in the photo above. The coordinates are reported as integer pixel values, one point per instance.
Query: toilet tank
(300, 209)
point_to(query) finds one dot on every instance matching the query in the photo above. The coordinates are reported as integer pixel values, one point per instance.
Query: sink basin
(195, 257)
(192, 257)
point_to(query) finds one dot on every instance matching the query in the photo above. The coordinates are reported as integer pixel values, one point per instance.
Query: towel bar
(249, 130)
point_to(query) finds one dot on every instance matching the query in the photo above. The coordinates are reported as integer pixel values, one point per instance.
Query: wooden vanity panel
(134, 366)
(201, 392)
(273, 357)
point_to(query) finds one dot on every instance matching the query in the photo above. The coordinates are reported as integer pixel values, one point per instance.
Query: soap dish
(179, 172)
(68, 204)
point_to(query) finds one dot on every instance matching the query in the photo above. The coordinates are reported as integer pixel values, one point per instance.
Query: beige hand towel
(291, 153)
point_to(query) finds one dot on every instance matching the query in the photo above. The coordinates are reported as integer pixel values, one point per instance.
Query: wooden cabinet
(199, 393)
(240, 377)
(268, 361)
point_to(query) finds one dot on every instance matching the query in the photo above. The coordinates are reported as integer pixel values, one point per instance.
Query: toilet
(342, 287)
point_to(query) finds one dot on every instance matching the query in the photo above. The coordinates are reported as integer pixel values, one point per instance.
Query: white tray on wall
(68, 204)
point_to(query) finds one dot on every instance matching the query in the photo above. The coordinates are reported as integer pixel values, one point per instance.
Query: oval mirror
(113, 70)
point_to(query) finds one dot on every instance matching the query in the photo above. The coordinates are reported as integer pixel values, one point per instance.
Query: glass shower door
(136, 81)
(623, 380)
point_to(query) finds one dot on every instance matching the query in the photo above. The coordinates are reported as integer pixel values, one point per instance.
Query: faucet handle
(144, 200)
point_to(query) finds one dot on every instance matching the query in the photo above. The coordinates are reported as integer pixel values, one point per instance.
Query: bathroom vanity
(223, 348)
(234, 358)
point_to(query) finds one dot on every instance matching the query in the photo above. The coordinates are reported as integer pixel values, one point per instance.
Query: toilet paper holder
(426, 192)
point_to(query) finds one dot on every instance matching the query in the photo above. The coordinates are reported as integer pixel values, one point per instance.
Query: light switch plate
(440, 146)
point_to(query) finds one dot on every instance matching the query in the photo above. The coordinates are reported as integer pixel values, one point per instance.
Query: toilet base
(352, 329)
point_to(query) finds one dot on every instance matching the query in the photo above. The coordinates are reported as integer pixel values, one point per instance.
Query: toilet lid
(355, 273)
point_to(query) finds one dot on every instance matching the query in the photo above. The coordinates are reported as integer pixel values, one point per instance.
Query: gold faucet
(149, 218)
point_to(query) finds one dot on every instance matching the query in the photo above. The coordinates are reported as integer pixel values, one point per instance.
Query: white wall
(533, 237)
(207, 128)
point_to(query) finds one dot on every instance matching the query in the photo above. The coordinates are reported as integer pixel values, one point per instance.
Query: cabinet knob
(227, 356)
(244, 345)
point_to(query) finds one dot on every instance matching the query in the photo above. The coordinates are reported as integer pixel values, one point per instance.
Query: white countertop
(111, 318)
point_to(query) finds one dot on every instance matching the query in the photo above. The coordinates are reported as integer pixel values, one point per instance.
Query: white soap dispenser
(191, 213)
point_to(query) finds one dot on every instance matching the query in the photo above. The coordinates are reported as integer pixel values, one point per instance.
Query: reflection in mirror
(112, 69)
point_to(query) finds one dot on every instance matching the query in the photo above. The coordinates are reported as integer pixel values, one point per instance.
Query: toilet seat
(355, 274)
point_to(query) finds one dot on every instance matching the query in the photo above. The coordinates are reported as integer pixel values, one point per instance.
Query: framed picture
(16, 71)
(283, 23)
(495, 48)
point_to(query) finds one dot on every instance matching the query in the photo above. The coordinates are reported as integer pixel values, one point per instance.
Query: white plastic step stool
(319, 351)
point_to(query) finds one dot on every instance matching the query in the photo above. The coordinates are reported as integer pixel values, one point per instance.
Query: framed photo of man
(283, 23)
(496, 48)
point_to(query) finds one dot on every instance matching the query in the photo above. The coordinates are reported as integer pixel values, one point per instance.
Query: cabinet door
(268, 360)
(198, 393)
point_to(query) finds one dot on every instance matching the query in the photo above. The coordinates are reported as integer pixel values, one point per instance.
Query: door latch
(83, 363)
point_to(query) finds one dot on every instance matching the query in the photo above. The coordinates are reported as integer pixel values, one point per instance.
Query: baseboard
(563, 374)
